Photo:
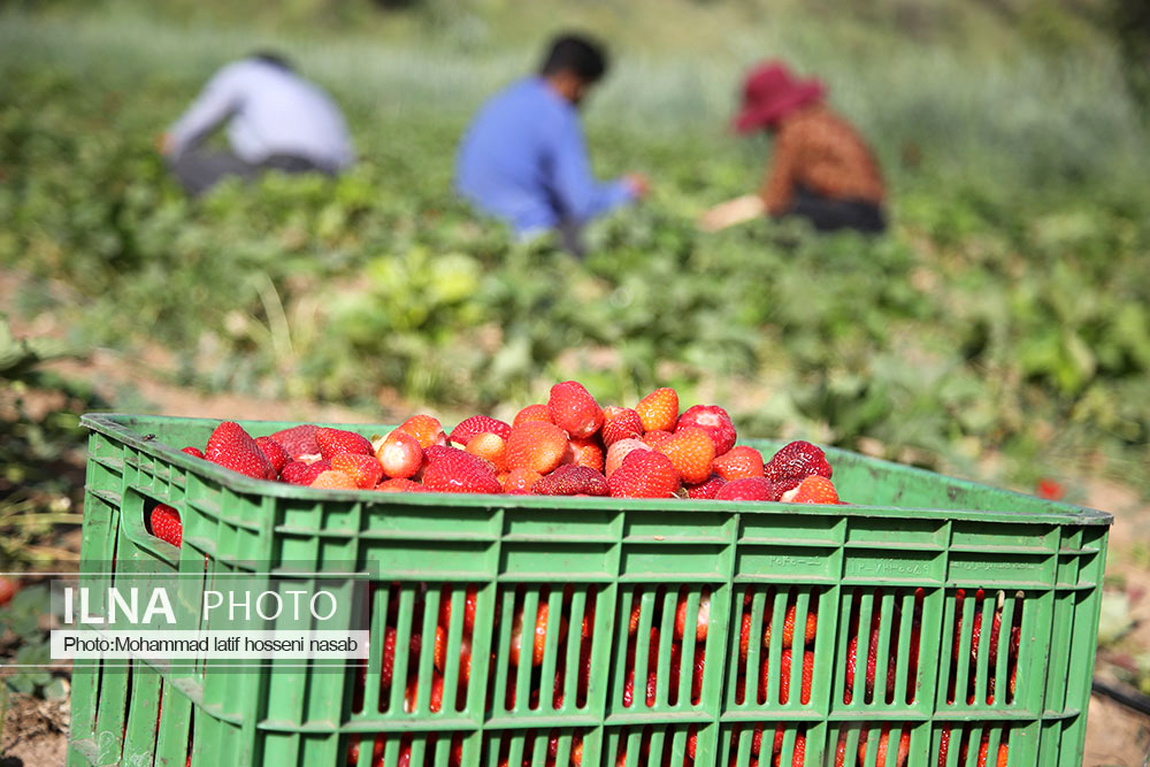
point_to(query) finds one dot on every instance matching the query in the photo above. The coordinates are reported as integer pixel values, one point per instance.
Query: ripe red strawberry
(519, 481)
(490, 447)
(713, 420)
(400, 485)
(470, 600)
(400, 454)
(332, 442)
(692, 452)
(697, 673)
(620, 423)
(659, 410)
(195, 452)
(618, 451)
(364, 469)
(333, 479)
(789, 628)
(454, 471)
(232, 447)
(574, 410)
(274, 452)
(536, 412)
(298, 440)
(1049, 489)
(536, 445)
(692, 742)
(9, 587)
(387, 669)
(411, 695)
(644, 474)
(707, 489)
(572, 480)
(943, 746)
(740, 462)
(813, 489)
(300, 473)
(748, 489)
(745, 636)
(478, 424)
(784, 679)
(585, 452)
(425, 428)
(793, 463)
(702, 618)
(166, 524)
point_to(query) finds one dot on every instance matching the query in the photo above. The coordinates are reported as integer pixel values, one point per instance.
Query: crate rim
(1059, 512)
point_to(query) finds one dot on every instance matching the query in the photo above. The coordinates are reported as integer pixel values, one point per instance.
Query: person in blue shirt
(523, 159)
(276, 120)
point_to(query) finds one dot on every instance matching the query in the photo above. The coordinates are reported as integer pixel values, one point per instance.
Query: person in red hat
(821, 168)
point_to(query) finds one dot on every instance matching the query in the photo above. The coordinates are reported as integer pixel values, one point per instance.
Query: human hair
(274, 59)
(576, 54)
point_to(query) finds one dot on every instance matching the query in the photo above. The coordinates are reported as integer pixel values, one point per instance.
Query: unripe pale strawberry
(400, 454)
(334, 480)
(619, 450)
(491, 447)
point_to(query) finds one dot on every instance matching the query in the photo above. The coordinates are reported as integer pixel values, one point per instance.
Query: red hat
(771, 92)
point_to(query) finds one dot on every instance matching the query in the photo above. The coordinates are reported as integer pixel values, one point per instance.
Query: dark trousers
(828, 215)
(198, 170)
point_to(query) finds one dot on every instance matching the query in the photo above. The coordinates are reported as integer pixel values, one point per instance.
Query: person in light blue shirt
(523, 159)
(276, 120)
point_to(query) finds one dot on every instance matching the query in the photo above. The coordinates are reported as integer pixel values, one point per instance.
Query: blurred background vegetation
(1006, 316)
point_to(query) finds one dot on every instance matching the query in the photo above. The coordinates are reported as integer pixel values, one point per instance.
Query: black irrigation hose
(1127, 696)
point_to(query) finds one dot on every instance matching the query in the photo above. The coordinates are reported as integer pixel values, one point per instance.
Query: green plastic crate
(915, 548)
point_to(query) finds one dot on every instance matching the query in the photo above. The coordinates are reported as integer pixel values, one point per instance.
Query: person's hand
(732, 212)
(637, 184)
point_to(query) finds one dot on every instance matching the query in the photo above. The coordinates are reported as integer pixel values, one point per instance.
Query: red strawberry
(707, 489)
(574, 410)
(364, 469)
(748, 489)
(789, 628)
(697, 673)
(784, 679)
(298, 440)
(334, 480)
(943, 746)
(800, 754)
(411, 695)
(692, 452)
(536, 445)
(332, 442)
(454, 471)
(620, 423)
(400, 454)
(618, 451)
(1049, 489)
(478, 424)
(745, 636)
(274, 452)
(536, 412)
(740, 462)
(519, 481)
(813, 489)
(659, 410)
(692, 742)
(656, 438)
(425, 428)
(795, 462)
(9, 587)
(232, 447)
(644, 474)
(572, 480)
(585, 452)
(702, 620)
(300, 473)
(400, 485)
(490, 447)
(195, 452)
(388, 667)
(166, 524)
(713, 420)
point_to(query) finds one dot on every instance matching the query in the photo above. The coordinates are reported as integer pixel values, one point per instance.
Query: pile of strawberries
(568, 446)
